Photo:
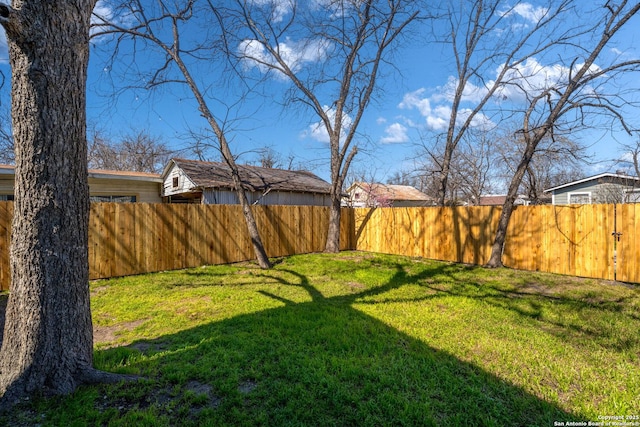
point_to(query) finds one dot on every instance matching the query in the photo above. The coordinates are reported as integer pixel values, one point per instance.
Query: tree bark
(48, 337)
(333, 235)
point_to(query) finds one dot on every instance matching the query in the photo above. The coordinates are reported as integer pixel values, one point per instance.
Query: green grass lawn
(357, 339)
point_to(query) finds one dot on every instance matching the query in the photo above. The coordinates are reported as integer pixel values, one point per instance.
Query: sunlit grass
(357, 339)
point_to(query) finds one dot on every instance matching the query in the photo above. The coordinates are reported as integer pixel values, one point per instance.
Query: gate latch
(616, 235)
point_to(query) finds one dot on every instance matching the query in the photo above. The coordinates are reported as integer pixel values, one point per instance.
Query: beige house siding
(144, 186)
(144, 191)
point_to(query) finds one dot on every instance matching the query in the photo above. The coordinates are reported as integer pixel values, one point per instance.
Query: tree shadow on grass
(320, 363)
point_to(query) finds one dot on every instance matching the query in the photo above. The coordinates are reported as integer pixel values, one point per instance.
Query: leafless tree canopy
(138, 152)
(331, 57)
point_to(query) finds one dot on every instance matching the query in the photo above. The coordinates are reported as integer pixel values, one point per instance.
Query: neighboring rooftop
(254, 178)
(99, 173)
(617, 176)
(393, 192)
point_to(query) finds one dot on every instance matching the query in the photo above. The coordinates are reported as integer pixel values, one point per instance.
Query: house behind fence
(602, 188)
(211, 183)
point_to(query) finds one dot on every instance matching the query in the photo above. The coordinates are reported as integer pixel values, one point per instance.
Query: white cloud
(278, 8)
(318, 130)
(396, 133)
(470, 93)
(436, 109)
(338, 9)
(528, 11)
(294, 54)
(102, 10)
(416, 100)
(531, 78)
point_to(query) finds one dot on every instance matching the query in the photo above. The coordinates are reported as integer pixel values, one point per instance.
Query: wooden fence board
(139, 238)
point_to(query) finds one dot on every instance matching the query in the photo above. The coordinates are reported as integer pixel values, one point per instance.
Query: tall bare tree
(483, 38)
(570, 102)
(48, 338)
(331, 52)
(165, 31)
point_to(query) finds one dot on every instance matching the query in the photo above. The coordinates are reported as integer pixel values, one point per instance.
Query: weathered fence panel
(134, 238)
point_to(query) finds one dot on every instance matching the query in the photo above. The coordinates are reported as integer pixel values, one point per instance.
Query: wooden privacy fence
(134, 238)
(576, 240)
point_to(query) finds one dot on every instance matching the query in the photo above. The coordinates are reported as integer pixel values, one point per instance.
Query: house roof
(499, 199)
(594, 178)
(254, 178)
(104, 174)
(392, 192)
(492, 200)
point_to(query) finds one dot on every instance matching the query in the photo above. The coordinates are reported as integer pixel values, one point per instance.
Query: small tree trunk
(333, 234)
(495, 260)
(252, 227)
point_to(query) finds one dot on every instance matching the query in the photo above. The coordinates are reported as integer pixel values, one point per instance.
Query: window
(176, 182)
(579, 198)
(116, 199)
(632, 196)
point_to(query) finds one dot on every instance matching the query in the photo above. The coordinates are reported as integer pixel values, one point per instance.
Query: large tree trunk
(48, 338)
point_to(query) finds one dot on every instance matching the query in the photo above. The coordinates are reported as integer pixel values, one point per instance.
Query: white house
(193, 181)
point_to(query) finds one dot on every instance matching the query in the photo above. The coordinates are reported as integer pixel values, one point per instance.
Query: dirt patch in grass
(355, 286)
(107, 334)
(248, 386)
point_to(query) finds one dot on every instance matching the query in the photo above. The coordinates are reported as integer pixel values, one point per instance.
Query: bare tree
(137, 152)
(483, 39)
(632, 156)
(556, 109)
(47, 345)
(471, 168)
(162, 29)
(269, 158)
(347, 42)
(556, 161)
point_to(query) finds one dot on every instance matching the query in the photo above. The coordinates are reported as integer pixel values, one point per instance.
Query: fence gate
(624, 235)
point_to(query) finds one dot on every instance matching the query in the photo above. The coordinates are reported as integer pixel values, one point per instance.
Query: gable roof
(254, 178)
(392, 192)
(595, 178)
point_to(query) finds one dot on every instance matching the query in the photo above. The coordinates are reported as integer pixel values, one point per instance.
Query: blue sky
(413, 102)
